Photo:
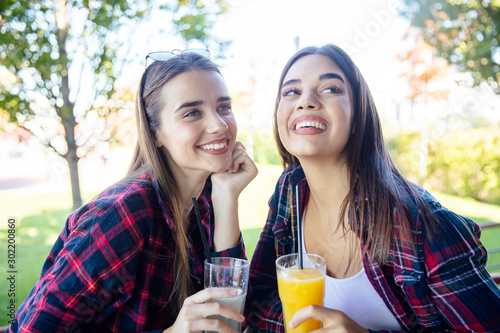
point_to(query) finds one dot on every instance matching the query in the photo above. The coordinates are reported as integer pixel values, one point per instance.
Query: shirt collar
(297, 176)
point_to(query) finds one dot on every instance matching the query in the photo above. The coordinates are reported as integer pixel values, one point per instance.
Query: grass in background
(478, 211)
(40, 218)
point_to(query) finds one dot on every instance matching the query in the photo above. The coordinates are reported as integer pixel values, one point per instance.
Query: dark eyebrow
(197, 103)
(331, 76)
(223, 99)
(189, 105)
(322, 77)
(293, 81)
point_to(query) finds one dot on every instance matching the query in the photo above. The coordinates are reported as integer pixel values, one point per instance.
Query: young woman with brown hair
(131, 260)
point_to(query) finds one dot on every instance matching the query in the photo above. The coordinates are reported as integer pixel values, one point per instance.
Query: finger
(221, 309)
(208, 293)
(238, 161)
(249, 165)
(210, 324)
(238, 143)
(204, 310)
(238, 152)
(304, 314)
(195, 311)
(238, 148)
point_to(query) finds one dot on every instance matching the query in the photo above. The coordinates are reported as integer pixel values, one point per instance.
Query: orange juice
(298, 289)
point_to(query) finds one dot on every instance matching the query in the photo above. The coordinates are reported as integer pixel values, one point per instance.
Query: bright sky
(264, 33)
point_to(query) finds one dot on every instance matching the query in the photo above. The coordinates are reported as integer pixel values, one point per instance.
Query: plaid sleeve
(266, 313)
(238, 251)
(89, 273)
(462, 290)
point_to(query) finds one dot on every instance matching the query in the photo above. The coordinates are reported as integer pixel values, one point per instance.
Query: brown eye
(290, 92)
(192, 113)
(333, 90)
(224, 108)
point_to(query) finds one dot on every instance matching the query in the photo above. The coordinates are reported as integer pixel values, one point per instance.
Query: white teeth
(310, 124)
(214, 146)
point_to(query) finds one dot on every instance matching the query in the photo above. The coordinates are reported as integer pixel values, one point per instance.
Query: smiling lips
(306, 124)
(309, 125)
(216, 147)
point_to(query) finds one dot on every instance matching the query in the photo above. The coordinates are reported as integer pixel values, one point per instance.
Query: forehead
(194, 85)
(312, 66)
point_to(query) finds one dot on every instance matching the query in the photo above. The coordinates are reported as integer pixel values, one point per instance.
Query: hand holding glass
(299, 288)
(228, 273)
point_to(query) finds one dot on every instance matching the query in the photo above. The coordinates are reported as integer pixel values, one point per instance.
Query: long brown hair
(376, 187)
(147, 157)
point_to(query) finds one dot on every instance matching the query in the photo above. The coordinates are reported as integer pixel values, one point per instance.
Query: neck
(189, 187)
(328, 185)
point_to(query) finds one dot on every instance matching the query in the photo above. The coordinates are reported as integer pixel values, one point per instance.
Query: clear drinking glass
(299, 288)
(224, 272)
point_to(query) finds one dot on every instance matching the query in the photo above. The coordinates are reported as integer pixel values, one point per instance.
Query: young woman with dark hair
(396, 259)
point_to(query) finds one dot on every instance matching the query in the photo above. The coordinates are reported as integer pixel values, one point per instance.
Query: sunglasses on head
(167, 55)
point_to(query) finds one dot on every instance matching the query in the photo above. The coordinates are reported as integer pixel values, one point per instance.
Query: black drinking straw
(203, 237)
(299, 227)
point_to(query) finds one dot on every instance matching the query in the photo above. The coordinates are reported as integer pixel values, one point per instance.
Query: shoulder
(455, 236)
(129, 201)
(443, 218)
(138, 188)
(452, 228)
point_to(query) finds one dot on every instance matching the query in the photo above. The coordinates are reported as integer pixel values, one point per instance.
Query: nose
(307, 102)
(216, 124)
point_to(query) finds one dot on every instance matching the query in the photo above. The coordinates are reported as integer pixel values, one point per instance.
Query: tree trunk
(69, 123)
(66, 111)
(72, 160)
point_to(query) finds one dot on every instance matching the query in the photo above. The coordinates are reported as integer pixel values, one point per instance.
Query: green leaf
(466, 33)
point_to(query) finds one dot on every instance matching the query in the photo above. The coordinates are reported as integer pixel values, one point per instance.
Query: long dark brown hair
(373, 177)
(147, 157)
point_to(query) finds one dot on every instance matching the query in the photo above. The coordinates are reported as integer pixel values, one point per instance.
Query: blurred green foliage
(464, 163)
(262, 145)
(466, 33)
(60, 60)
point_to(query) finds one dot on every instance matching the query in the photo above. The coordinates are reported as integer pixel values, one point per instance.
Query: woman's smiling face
(315, 110)
(197, 129)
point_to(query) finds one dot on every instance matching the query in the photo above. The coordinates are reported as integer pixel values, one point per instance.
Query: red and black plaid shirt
(442, 287)
(112, 268)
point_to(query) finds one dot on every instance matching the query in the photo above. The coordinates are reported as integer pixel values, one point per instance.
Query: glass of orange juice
(299, 288)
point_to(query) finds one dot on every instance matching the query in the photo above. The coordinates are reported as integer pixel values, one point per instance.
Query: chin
(221, 168)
